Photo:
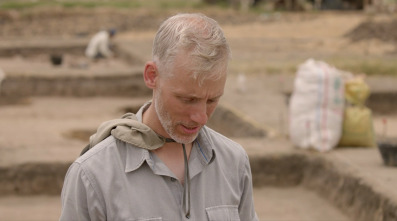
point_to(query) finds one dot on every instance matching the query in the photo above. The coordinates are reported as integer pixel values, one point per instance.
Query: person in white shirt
(99, 45)
(164, 163)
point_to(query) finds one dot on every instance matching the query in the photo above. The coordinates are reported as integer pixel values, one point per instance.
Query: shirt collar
(135, 157)
(205, 146)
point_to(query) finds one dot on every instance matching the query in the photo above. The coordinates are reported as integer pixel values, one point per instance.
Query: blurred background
(53, 97)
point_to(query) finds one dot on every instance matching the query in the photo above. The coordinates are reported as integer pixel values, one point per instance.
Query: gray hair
(200, 37)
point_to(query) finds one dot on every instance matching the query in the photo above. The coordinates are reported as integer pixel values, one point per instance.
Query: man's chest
(145, 195)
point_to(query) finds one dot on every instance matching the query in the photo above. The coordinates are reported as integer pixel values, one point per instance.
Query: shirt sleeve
(246, 207)
(79, 199)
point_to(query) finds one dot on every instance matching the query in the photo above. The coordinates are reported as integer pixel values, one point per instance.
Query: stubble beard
(167, 124)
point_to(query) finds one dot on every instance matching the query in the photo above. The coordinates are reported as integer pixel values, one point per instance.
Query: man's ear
(150, 75)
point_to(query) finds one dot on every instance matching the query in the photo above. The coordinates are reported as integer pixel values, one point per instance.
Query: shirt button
(173, 179)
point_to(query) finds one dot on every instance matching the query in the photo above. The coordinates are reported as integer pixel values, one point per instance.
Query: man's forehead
(192, 88)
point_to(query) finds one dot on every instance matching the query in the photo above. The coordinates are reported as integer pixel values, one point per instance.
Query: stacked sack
(357, 129)
(316, 106)
(327, 109)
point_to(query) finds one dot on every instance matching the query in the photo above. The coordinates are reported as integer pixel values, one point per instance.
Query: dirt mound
(380, 30)
(76, 22)
(82, 22)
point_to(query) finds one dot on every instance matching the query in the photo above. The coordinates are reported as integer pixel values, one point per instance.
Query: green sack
(356, 91)
(357, 129)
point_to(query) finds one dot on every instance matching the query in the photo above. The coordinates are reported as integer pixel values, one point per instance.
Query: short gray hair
(198, 35)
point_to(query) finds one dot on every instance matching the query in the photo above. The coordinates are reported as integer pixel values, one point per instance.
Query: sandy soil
(266, 48)
(259, 45)
(286, 204)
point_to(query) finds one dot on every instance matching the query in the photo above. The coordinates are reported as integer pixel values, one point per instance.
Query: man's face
(183, 106)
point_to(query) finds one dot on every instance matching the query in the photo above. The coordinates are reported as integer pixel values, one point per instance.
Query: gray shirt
(118, 181)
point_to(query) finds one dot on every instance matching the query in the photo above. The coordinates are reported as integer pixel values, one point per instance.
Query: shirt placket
(177, 190)
(159, 168)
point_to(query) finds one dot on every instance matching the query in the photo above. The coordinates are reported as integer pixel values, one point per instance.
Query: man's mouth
(190, 129)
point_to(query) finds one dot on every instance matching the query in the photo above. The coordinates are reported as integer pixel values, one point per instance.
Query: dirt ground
(266, 48)
(260, 44)
(281, 41)
(284, 199)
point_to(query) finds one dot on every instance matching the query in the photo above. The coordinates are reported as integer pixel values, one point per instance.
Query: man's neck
(171, 153)
(172, 156)
(150, 119)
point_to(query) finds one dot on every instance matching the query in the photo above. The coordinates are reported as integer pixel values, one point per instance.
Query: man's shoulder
(112, 155)
(100, 152)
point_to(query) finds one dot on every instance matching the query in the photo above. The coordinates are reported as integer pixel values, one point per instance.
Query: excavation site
(53, 98)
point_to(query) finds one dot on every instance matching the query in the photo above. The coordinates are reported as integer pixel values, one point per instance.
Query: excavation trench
(346, 192)
(312, 172)
(29, 72)
(317, 174)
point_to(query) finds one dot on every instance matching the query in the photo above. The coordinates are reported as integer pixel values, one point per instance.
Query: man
(163, 163)
(99, 45)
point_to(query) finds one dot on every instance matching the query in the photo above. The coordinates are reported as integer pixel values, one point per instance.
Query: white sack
(316, 106)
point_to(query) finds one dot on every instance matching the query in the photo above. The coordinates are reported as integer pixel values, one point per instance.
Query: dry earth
(260, 44)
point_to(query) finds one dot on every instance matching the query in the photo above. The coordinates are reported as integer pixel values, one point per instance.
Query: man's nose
(199, 114)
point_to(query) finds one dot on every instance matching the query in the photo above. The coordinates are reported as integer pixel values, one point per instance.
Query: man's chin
(185, 139)
(185, 135)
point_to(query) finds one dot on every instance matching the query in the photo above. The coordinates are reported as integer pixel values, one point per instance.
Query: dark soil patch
(380, 30)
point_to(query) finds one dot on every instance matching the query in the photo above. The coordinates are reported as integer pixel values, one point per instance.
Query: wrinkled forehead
(183, 86)
(190, 66)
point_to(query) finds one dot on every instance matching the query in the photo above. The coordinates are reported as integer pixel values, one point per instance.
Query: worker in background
(99, 45)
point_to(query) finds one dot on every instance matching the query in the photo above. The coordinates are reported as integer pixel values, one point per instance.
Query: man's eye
(188, 100)
(211, 101)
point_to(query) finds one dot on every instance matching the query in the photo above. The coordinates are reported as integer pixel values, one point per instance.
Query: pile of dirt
(381, 30)
(58, 21)
(73, 22)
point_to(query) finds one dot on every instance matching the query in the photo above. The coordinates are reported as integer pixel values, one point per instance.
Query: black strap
(169, 140)
(186, 186)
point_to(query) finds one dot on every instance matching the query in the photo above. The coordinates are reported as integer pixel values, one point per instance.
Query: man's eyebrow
(217, 97)
(196, 97)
